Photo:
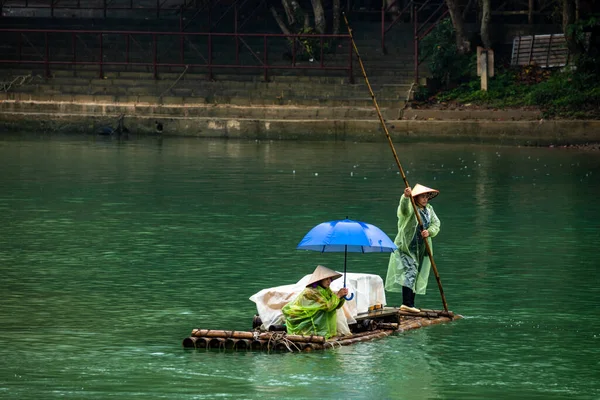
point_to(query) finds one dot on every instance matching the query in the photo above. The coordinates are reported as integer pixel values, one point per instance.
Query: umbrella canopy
(347, 235)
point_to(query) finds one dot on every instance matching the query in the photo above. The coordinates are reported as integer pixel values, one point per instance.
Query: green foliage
(446, 65)
(573, 92)
(587, 59)
(423, 93)
(569, 93)
(310, 48)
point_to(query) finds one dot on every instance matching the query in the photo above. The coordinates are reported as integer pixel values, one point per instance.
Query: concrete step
(121, 83)
(150, 106)
(242, 81)
(290, 76)
(220, 97)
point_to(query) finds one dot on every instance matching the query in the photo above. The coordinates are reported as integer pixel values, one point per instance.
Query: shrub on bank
(569, 92)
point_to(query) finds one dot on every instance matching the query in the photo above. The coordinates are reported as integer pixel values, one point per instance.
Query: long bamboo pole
(387, 133)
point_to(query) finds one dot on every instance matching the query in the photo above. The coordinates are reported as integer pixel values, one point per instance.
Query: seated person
(313, 312)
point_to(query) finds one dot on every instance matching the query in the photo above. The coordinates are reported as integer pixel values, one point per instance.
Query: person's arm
(326, 301)
(405, 206)
(434, 226)
(341, 294)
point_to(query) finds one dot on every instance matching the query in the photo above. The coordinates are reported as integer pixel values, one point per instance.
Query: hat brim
(420, 189)
(323, 273)
(430, 195)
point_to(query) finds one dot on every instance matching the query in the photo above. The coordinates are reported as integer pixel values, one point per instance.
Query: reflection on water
(111, 252)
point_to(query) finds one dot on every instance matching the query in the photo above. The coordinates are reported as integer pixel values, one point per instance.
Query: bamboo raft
(375, 324)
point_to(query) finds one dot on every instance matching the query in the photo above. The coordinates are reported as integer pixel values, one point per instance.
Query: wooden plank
(546, 51)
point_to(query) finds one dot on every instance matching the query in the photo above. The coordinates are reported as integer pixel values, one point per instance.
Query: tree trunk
(291, 18)
(294, 12)
(336, 16)
(569, 19)
(485, 23)
(530, 12)
(462, 43)
(466, 9)
(320, 21)
(280, 21)
(392, 7)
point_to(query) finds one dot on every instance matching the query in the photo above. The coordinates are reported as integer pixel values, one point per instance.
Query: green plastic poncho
(410, 265)
(313, 312)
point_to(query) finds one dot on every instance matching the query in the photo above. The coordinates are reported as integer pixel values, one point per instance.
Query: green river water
(111, 252)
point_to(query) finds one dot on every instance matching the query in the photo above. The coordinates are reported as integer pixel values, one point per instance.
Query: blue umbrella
(348, 236)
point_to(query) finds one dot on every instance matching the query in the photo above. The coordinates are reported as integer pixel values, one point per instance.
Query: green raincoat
(409, 265)
(313, 312)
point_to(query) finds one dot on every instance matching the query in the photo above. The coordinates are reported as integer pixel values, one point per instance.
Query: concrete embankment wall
(287, 108)
(287, 122)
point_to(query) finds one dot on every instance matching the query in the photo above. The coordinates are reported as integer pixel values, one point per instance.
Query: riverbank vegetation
(570, 91)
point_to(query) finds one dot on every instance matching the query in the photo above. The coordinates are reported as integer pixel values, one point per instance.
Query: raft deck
(371, 325)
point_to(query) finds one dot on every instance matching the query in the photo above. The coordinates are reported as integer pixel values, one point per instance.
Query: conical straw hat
(420, 189)
(321, 273)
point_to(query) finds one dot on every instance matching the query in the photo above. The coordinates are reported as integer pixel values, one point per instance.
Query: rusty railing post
(181, 36)
(210, 74)
(416, 40)
(155, 56)
(322, 63)
(265, 58)
(101, 57)
(47, 55)
(383, 27)
(235, 29)
(350, 71)
(20, 46)
(294, 40)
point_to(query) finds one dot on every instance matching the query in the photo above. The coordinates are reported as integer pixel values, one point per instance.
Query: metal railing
(432, 11)
(173, 49)
(156, 6)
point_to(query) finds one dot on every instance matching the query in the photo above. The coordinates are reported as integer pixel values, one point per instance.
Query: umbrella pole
(345, 259)
(387, 133)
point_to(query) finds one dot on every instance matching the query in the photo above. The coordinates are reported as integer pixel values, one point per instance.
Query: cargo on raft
(361, 319)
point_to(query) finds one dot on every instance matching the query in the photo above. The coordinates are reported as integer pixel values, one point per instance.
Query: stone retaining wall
(291, 123)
